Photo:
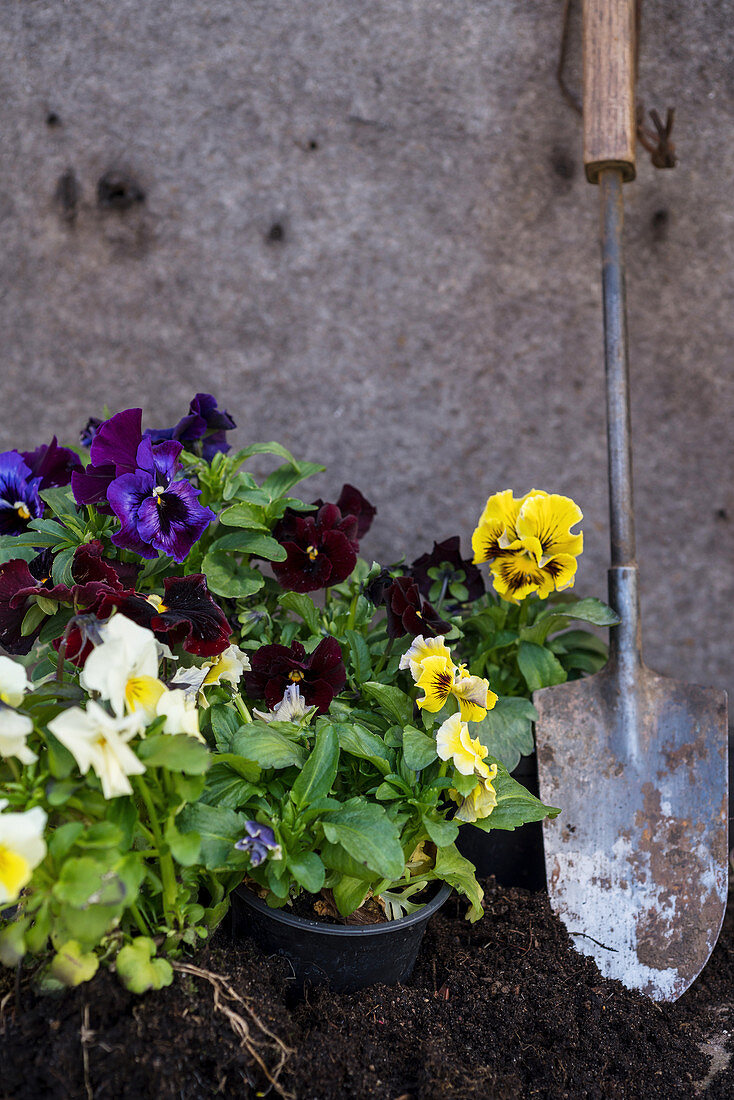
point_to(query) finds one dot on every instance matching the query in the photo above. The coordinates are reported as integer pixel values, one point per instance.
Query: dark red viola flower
(189, 615)
(321, 549)
(352, 503)
(408, 613)
(320, 675)
(445, 572)
(54, 465)
(89, 564)
(375, 589)
(20, 581)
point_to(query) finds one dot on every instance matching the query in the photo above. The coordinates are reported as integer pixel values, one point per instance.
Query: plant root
(271, 1042)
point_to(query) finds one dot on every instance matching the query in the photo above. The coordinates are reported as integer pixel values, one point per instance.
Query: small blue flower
(19, 499)
(259, 841)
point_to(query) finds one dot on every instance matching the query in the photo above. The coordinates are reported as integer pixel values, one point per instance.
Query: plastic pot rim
(384, 928)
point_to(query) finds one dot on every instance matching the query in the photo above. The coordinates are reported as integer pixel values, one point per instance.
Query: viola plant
(205, 683)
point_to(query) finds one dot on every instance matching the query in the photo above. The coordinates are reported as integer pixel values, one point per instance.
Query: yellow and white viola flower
(22, 848)
(479, 803)
(454, 743)
(180, 713)
(439, 678)
(227, 667)
(99, 741)
(123, 668)
(14, 682)
(14, 730)
(419, 650)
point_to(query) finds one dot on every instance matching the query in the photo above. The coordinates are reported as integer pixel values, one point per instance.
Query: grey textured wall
(426, 317)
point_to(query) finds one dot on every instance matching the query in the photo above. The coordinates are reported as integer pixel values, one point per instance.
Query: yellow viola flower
(419, 650)
(439, 678)
(479, 803)
(454, 743)
(496, 522)
(22, 848)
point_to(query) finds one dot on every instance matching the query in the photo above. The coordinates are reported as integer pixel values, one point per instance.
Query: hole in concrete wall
(67, 194)
(721, 513)
(276, 233)
(660, 224)
(313, 145)
(118, 191)
(563, 164)
(53, 119)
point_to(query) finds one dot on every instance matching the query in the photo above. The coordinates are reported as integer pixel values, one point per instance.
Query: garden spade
(637, 860)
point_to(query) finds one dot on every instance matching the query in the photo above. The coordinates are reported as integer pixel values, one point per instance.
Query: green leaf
(60, 500)
(266, 746)
(285, 477)
(360, 654)
(85, 881)
(539, 667)
(33, 617)
(304, 606)
(245, 515)
(219, 829)
(61, 567)
(138, 970)
(507, 730)
(319, 771)
(226, 787)
(392, 700)
(368, 835)
(103, 834)
(227, 577)
(441, 832)
(453, 868)
(515, 805)
(556, 616)
(71, 966)
(358, 741)
(250, 542)
(308, 870)
(178, 752)
(419, 750)
(337, 859)
(349, 894)
(185, 847)
(63, 838)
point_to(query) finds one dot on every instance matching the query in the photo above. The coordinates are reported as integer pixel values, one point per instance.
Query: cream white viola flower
(22, 848)
(227, 667)
(99, 741)
(479, 803)
(180, 713)
(420, 649)
(14, 682)
(291, 708)
(123, 669)
(454, 743)
(14, 730)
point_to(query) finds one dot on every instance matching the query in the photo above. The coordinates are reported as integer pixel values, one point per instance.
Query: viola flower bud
(258, 842)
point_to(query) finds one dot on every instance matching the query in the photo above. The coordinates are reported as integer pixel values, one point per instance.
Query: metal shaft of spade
(625, 639)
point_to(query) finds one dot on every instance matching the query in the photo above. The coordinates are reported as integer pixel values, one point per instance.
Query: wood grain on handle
(609, 87)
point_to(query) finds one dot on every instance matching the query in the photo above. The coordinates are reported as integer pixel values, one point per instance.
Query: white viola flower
(22, 848)
(190, 680)
(99, 741)
(14, 682)
(181, 713)
(227, 666)
(123, 668)
(14, 729)
(291, 708)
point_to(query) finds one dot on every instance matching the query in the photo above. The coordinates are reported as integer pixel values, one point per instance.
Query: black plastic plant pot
(346, 957)
(514, 858)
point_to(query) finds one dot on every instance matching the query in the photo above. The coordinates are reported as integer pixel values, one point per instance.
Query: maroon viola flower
(352, 503)
(189, 615)
(20, 581)
(408, 613)
(321, 549)
(54, 465)
(445, 572)
(320, 675)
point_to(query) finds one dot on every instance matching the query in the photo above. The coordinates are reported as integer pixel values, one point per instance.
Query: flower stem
(139, 922)
(241, 708)
(384, 658)
(352, 611)
(168, 874)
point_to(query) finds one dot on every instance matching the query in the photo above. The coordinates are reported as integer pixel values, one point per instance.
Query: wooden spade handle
(609, 87)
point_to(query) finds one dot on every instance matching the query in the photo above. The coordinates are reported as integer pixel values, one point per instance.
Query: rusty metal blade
(637, 860)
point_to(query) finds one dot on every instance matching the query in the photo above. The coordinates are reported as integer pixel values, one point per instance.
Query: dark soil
(501, 1009)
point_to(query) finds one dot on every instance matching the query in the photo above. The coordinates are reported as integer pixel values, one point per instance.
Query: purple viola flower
(54, 465)
(156, 512)
(113, 452)
(204, 424)
(88, 432)
(19, 499)
(260, 840)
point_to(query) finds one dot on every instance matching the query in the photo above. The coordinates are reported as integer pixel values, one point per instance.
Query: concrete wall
(366, 230)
